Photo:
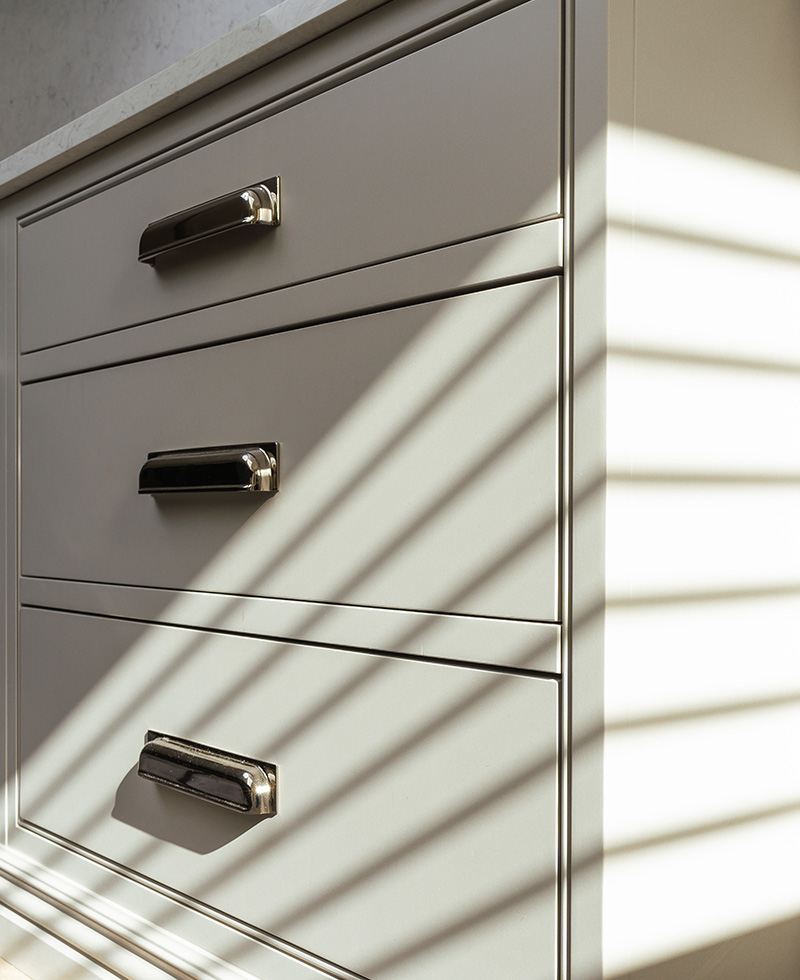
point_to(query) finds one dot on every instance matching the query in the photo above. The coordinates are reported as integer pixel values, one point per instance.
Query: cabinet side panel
(8, 483)
(585, 325)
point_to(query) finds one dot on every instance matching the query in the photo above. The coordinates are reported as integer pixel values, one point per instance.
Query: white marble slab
(281, 29)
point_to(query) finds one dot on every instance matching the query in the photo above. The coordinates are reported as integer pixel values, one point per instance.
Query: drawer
(450, 142)
(418, 457)
(415, 834)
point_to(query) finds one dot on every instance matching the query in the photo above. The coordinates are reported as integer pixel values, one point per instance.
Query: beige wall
(702, 639)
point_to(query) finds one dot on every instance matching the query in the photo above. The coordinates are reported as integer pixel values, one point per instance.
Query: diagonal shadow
(494, 794)
(389, 446)
(589, 491)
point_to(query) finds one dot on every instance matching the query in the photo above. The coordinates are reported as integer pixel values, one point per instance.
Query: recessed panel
(415, 832)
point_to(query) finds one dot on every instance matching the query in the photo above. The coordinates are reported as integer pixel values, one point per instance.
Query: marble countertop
(281, 29)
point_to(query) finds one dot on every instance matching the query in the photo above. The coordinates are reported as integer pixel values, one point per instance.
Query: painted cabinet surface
(381, 627)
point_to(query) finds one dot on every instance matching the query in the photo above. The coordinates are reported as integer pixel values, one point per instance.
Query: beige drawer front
(415, 837)
(452, 141)
(418, 462)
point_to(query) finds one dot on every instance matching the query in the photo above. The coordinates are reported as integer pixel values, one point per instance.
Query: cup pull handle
(238, 469)
(233, 781)
(256, 205)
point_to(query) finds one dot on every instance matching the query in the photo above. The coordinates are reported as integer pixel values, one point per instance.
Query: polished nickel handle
(242, 469)
(256, 205)
(232, 781)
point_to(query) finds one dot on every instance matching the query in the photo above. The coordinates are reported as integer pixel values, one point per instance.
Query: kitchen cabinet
(375, 626)
(513, 630)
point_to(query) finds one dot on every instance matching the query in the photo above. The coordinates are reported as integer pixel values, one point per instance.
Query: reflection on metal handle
(242, 469)
(256, 205)
(232, 781)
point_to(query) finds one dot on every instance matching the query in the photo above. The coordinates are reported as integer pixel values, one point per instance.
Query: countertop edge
(282, 29)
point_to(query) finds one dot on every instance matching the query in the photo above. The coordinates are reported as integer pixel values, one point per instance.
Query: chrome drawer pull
(237, 469)
(256, 205)
(232, 781)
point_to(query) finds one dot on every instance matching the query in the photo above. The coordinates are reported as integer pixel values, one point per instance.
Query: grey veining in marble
(283, 27)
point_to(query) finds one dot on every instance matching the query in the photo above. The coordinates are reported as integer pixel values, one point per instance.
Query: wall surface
(702, 664)
(59, 60)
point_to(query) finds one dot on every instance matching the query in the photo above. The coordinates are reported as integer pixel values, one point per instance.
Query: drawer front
(418, 456)
(415, 837)
(452, 141)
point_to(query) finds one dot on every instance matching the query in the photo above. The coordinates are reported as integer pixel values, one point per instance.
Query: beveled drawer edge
(249, 47)
(91, 925)
(531, 251)
(386, 36)
(471, 640)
